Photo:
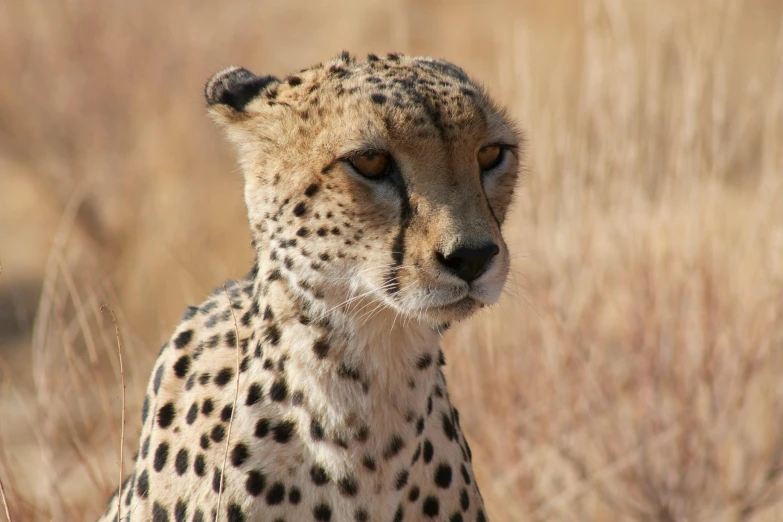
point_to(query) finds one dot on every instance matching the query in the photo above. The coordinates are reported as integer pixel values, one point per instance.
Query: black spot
(393, 447)
(448, 428)
(464, 499)
(321, 348)
(363, 434)
(316, 430)
(398, 514)
(190, 382)
(161, 455)
(293, 81)
(303, 232)
(216, 476)
(225, 415)
(311, 190)
(322, 513)
(145, 447)
(465, 474)
(318, 475)
(181, 462)
(347, 372)
(428, 451)
(207, 407)
(143, 485)
(245, 362)
(348, 486)
(416, 455)
(272, 334)
(239, 455)
(275, 494)
(480, 516)
(218, 432)
(368, 462)
(279, 390)
(361, 515)
(198, 516)
(182, 366)
(322, 231)
(145, 409)
(420, 426)
(190, 312)
(402, 479)
(297, 399)
(223, 376)
(166, 415)
(200, 465)
(183, 338)
(378, 98)
(294, 495)
(158, 378)
(262, 428)
(180, 511)
(456, 517)
(300, 209)
(443, 475)
(372, 58)
(230, 339)
(431, 507)
(425, 361)
(255, 483)
(283, 431)
(254, 394)
(413, 494)
(429, 405)
(235, 514)
(159, 513)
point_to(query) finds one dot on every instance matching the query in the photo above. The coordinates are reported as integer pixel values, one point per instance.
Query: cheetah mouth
(451, 310)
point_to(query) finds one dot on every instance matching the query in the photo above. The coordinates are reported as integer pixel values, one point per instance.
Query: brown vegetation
(632, 371)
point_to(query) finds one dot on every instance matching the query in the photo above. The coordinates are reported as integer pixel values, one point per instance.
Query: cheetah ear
(228, 92)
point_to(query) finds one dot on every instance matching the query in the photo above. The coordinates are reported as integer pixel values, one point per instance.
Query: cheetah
(313, 389)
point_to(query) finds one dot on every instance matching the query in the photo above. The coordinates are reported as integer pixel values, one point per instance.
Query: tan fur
(350, 328)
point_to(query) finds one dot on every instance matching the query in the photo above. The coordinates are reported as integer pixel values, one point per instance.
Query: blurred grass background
(633, 371)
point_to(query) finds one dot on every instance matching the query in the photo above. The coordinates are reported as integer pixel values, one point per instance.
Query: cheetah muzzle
(376, 191)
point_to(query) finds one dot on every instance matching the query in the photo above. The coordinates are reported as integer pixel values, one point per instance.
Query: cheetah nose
(468, 263)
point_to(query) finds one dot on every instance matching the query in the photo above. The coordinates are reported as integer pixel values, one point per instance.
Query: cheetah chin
(313, 390)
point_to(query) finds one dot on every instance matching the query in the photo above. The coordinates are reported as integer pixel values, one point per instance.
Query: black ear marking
(235, 87)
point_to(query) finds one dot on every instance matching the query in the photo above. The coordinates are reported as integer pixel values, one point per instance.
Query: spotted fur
(343, 412)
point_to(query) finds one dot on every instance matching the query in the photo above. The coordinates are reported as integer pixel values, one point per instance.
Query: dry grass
(633, 370)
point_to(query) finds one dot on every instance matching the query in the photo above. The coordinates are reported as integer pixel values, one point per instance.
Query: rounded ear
(229, 91)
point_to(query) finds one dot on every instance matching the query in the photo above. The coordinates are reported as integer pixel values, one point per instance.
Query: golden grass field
(634, 369)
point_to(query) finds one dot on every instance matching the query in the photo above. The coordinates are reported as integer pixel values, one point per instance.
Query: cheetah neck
(356, 372)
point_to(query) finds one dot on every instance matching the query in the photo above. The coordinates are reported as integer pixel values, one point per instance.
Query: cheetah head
(387, 179)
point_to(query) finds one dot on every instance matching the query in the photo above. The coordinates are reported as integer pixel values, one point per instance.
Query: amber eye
(489, 156)
(371, 164)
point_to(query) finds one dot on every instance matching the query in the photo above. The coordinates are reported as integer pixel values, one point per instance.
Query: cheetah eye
(489, 157)
(371, 164)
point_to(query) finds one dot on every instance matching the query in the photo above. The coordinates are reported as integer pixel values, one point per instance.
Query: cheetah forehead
(419, 93)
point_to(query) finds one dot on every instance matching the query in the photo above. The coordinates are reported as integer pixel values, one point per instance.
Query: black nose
(468, 263)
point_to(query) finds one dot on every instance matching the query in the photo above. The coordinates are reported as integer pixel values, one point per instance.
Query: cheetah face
(387, 179)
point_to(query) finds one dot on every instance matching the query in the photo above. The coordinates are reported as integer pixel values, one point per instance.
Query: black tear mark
(398, 248)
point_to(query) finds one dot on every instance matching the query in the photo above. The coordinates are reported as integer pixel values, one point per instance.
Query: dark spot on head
(300, 209)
